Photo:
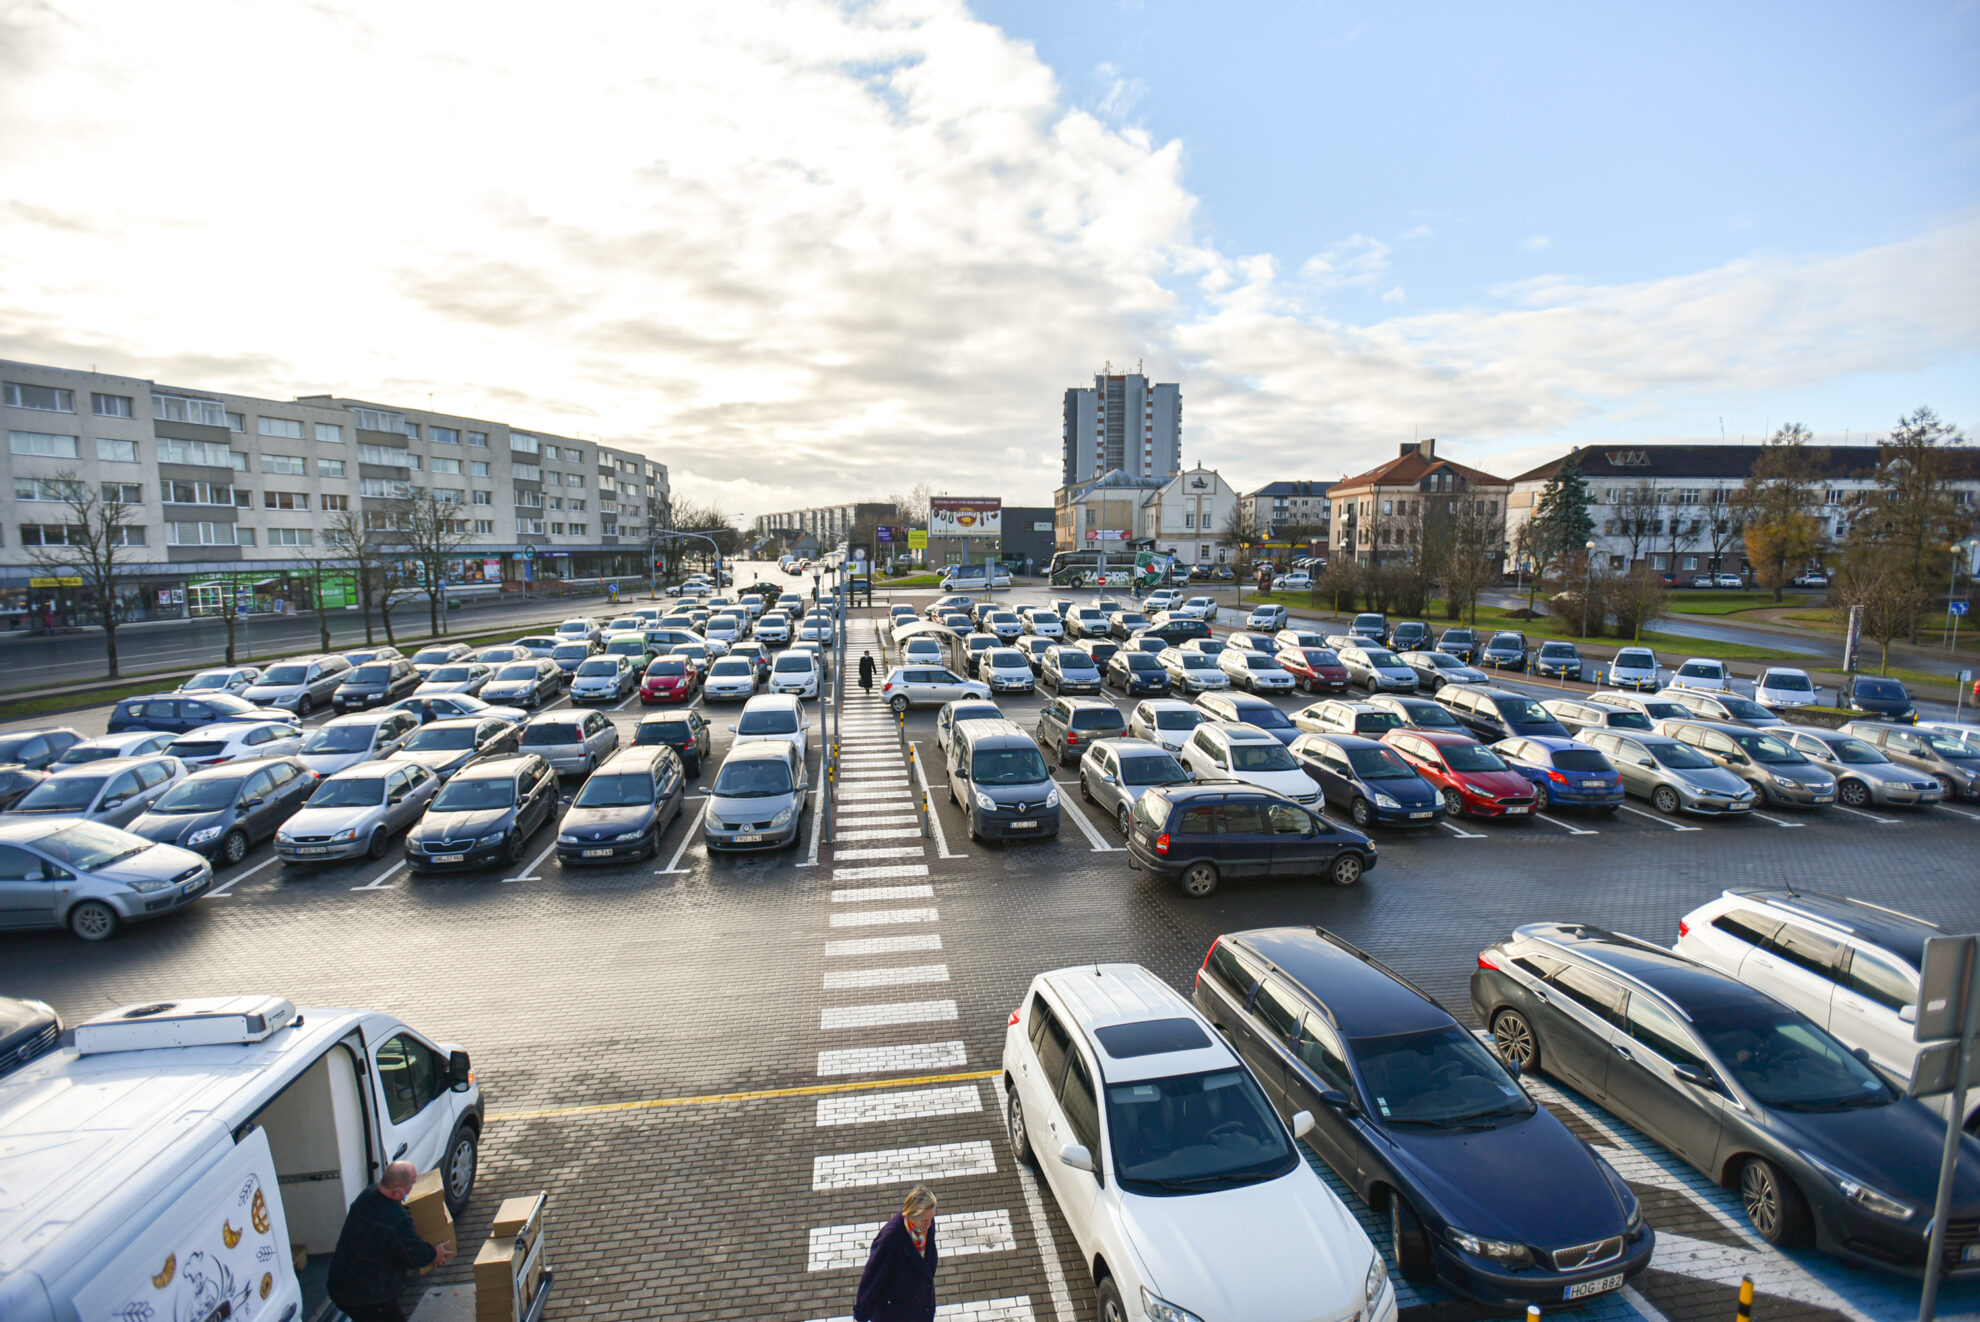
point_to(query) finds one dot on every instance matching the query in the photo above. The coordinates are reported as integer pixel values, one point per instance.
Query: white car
(1164, 721)
(1635, 668)
(131, 743)
(774, 627)
(1170, 1164)
(579, 630)
(1257, 672)
(1219, 751)
(1702, 675)
(795, 673)
(1297, 581)
(1783, 686)
(923, 651)
(1267, 618)
(772, 716)
(817, 627)
(1005, 670)
(211, 745)
(1161, 599)
(731, 679)
(1202, 608)
(226, 679)
(1043, 622)
(345, 741)
(956, 713)
(1964, 731)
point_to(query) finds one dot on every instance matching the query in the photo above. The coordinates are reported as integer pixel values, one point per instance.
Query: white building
(1187, 517)
(1123, 424)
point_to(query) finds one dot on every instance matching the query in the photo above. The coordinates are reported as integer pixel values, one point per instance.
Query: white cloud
(1537, 243)
(1394, 294)
(1356, 261)
(1120, 96)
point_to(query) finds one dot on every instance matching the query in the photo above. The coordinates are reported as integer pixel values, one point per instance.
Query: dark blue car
(1563, 772)
(1491, 714)
(1486, 1192)
(178, 713)
(1233, 708)
(1374, 785)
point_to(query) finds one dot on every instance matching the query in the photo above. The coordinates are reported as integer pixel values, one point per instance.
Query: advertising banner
(966, 516)
(1106, 534)
(918, 539)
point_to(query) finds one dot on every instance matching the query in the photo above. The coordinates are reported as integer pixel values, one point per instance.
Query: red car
(669, 679)
(1471, 778)
(1315, 669)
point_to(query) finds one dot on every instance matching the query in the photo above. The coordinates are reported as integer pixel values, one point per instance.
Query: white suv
(1217, 751)
(1180, 1182)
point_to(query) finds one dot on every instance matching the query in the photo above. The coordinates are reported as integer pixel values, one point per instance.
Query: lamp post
(1952, 586)
(1588, 587)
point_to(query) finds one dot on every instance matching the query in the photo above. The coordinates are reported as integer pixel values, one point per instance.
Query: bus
(1079, 569)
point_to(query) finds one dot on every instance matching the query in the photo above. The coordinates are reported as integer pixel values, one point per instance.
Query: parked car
(758, 798)
(955, 713)
(1374, 785)
(974, 645)
(1435, 669)
(687, 732)
(1345, 716)
(1557, 660)
(611, 678)
(428, 659)
(927, 686)
(623, 808)
(1191, 671)
(1066, 726)
(1577, 715)
(374, 684)
(731, 679)
(1267, 618)
(924, 651)
(539, 645)
(1506, 651)
(1654, 707)
(212, 745)
(1728, 581)
(1727, 707)
(486, 814)
(1460, 643)
(1165, 722)
(157, 712)
(501, 654)
(129, 744)
(1245, 709)
(1702, 674)
(1782, 777)
(772, 716)
(572, 743)
(1967, 732)
(468, 677)
(222, 812)
(1377, 669)
(1314, 669)
(1634, 668)
(356, 812)
(92, 879)
(366, 655)
(1864, 776)
(1673, 776)
(1216, 751)
(1172, 629)
(634, 647)
(1417, 713)
(1780, 688)
(1886, 699)
(1133, 671)
(1392, 1078)
(1493, 714)
(1953, 763)
(1745, 1089)
(447, 706)
(16, 781)
(1256, 672)
(301, 685)
(996, 776)
(581, 630)
(1041, 622)
(112, 792)
(1005, 670)
(224, 679)
(1564, 773)
(444, 747)
(1197, 835)
(796, 672)
(526, 684)
(1068, 669)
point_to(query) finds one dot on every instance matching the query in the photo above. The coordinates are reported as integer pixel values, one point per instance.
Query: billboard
(966, 516)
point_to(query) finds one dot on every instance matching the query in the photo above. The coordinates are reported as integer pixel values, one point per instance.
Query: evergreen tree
(1562, 519)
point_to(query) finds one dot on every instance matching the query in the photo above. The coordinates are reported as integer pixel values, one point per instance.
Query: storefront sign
(1106, 535)
(61, 581)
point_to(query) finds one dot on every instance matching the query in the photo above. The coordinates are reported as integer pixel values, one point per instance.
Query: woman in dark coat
(898, 1284)
(866, 671)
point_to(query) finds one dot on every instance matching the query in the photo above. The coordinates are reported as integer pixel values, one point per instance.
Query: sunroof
(1151, 1038)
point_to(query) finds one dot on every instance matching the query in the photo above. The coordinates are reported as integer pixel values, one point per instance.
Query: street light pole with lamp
(1952, 586)
(1588, 588)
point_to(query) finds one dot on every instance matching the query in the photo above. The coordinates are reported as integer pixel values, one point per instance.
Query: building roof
(1624, 460)
(1410, 469)
(1114, 477)
(1291, 489)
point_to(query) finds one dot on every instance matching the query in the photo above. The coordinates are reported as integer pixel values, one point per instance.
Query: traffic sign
(1956, 607)
(529, 552)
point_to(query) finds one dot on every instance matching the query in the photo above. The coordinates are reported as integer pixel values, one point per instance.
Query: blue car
(1232, 708)
(1486, 1192)
(1492, 714)
(1375, 786)
(1564, 773)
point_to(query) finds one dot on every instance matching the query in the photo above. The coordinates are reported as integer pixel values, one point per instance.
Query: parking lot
(726, 1070)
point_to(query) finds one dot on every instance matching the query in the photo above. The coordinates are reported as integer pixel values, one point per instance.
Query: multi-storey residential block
(1123, 424)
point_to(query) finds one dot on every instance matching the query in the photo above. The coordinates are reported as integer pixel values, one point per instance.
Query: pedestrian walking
(898, 1284)
(866, 671)
(379, 1249)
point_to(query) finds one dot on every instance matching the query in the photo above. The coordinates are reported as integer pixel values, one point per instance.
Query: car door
(410, 1078)
(1320, 1064)
(1578, 1009)
(1329, 766)
(400, 806)
(1867, 1005)
(1302, 844)
(601, 736)
(26, 898)
(1797, 966)
(258, 811)
(1644, 1088)
(121, 801)
(1265, 1035)
(1244, 841)
(1629, 757)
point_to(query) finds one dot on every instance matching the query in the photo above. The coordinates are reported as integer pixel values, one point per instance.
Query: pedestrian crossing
(879, 885)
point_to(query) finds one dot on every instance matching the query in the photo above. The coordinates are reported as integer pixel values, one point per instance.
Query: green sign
(918, 539)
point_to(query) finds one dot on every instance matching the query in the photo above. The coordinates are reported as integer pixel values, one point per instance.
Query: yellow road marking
(713, 1099)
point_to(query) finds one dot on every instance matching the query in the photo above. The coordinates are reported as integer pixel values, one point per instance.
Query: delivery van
(195, 1158)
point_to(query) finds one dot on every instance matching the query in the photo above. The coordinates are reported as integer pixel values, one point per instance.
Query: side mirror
(1335, 1098)
(1697, 1077)
(1861, 1054)
(1908, 1014)
(1512, 1067)
(1076, 1156)
(1302, 1124)
(1645, 762)
(253, 802)
(459, 1074)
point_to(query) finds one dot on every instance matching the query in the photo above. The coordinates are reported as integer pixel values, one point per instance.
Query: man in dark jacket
(379, 1248)
(866, 670)
(898, 1284)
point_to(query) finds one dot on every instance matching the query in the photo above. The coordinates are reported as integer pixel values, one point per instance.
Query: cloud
(1354, 262)
(1394, 294)
(1121, 96)
(1537, 243)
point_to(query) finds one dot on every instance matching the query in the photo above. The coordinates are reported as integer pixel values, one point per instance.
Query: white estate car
(1702, 674)
(211, 745)
(1169, 1164)
(1217, 751)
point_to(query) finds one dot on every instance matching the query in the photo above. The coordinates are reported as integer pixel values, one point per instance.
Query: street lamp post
(1588, 588)
(1952, 586)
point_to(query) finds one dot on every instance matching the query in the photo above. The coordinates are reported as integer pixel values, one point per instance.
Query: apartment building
(235, 491)
(1378, 517)
(1123, 424)
(1281, 506)
(826, 525)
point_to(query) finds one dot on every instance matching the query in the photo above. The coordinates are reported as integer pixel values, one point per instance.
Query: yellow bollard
(1745, 1313)
(1533, 1313)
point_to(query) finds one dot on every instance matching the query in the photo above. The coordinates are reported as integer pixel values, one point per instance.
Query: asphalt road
(727, 1069)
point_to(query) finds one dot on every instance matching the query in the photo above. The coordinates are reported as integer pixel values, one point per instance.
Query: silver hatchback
(1674, 776)
(571, 742)
(114, 792)
(1863, 774)
(1783, 777)
(1116, 772)
(357, 812)
(91, 878)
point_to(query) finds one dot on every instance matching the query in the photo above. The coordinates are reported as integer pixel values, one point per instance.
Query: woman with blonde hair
(898, 1284)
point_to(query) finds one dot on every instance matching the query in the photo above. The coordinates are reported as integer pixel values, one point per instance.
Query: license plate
(1593, 785)
(1600, 1285)
(1824, 798)
(1740, 807)
(195, 887)
(596, 853)
(1024, 826)
(1418, 815)
(313, 849)
(753, 839)
(448, 858)
(1515, 811)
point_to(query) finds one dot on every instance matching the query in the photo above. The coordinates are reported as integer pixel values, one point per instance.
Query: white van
(171, 1161)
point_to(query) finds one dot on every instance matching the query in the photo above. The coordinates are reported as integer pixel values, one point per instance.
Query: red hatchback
(668, 679)
(1315, 669)
(1471, 778)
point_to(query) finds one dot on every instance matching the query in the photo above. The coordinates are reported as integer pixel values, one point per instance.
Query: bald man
(379, 1248)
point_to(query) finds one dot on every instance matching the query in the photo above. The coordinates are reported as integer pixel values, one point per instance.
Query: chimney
(1427, 448)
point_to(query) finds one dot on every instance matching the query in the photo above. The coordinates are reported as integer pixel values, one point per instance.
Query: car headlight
(1784, 782)
(1863, 1195)
(985, 802)
(1051, 798)
(204, 834)
(1384, 801)
(783, 818)
(624, 836)
(489, 841)
(1498, 1250)
(567, 839)
(1375, 1281)
(1634, 1221)
(1157, 1309)
(348, 833)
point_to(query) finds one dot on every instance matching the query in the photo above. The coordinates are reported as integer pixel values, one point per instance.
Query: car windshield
(692, 650)
(1504, 640)
(433, 656)
(1429, 716)
(768, 720)
(1702, 670)
(370, 675)
(1580, 759)
(478, 794)
(792, 663)
(602, 666)
(1098, 718)
(87, 846)
(551, 733)
(1197, 661)
(1444, 661)
(1471, 757)
(1262, 757)
(1458, 636)
(1195, 1133)
(571, 651)
(339, 739)
(627, 646)
(1436, 1079)
(523, 673)
(1786, 1061)
(1767, 749)
(1378, 764)
(662, 732)
(81, 753)
(1007, 766)
(1151, 769)
(1007, 659)
(1380, 659)
(1140, 661)
(1265, 716)
(1557, 650)
(61, 794)
(729, 666)
(1630, 659)
(358, 792)
(631, 789)
(1680, 757)
(753, 778)
(435, 738)
(1744, 710)
(1373, 723)
(1788, 681)
(1525, 711)
(1072, 660)
(199, 795)
(214, 681)
(1180, 718)
(286, 675)
(1882, 689)
(1259, 661)
(450, 674)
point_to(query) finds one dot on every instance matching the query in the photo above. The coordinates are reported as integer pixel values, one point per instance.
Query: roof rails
(1334, 938)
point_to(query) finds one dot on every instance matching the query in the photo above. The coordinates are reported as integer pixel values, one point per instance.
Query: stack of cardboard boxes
(498, 1295)
(428, 1205)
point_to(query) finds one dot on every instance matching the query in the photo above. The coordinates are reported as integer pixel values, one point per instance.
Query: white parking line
(883, 945)
(378, 883)
(1555, 821)
(1459, 831)
(885, 851)
(1661, 820)
(239, 877)
(529, 873)
(835, 1017)
(1777, 821)
(840, 1248)
(916, 1058)
(1858, 812)
(906, 975)
(934, 1161)
(1958, 812)
(908, 1104)
(687, 838)
(934, 822)
(1073, 810)
(1041, 1232)
(875, 792)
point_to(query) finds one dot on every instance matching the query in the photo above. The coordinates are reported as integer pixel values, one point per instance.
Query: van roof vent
(199, 1021)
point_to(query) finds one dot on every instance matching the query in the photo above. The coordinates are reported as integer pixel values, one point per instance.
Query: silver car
(113, 792)
(1164, 722)
(460, 677)
(301, 685)
(1116, 772)
(1377, 668)
(758, 798)
(1258, 672)
(603, 679)
(132, 743)
(1192, 671)
(1729, 708)
(1945, 758)
(345, 741)
(91, 878)
(1578, 715)
(1863, 774)
(1435, 669)
(920, 685)
(573, 743)
(1674, 776)
(225, 679)
(1783, 777)
(357, 812)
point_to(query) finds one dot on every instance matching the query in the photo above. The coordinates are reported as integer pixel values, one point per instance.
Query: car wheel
(1774, 1207)
(1412, 1245)
(513, 854)
(1361, 813)
(234, 848)
(1199, 880)
(304, 708)
(1345, 870)
(1853, 793)
(1513, 1037)
(92, 920)
(1111, 1307)
(1453, 801)
(1946, 786)
(375, 848)
(1020, 1140)
(1540, 799)
(1665, 800)
(1084, 792)
(1126, 820)
(459, 1165)
(899, 704)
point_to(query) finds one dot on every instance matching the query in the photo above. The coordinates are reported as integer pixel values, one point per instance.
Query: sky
(806, 252)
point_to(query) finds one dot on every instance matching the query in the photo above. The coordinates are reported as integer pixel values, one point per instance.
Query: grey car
(1783, 777)
(444, 747)
(1863, 774)
(357, 812)
(1726, 708)
(1377, 668)
(221, 812)
(758, 798)
(1673, 776)
(91, 878)
(301, 685)
(1950, 761)
(1436, 669)
(1116, 772)
(346, 741)
(36, 749)
(571, 742)
(1576, 715)
(114, 792)
(132, 743)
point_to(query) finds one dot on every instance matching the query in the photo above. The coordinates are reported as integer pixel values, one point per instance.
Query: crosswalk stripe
(935, 1161)
(872, 1108)
(875, 792)
(883, 945)
(880, 873)
(914, 1058)
(832, 1018)
(884, 917)
(885, 851)
(896, 976)
(875, 773)
(862, 894)
(836, 1248)
(889, 833)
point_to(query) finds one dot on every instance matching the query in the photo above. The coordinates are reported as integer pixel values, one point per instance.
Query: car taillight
(1485, 962)
(1684, 928)
(1072, 736)
(1162, 843)
(1557, 777)
(1211, 951)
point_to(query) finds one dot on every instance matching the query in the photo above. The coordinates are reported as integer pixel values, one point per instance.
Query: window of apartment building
(608, 507)
(551, 452)
(556, 502)
(444, 435)
(47, 399)
(43, 445)
(478, 468)
(574, 479)
(1691, 562)
(40, 488)
(385, 456)
(553, 479)
(526, 472)
(182, 408)
(123, 493)
(413, 462)
(446, 465)
(116, 452)
(329, 433)
(243, 498)
(529, 525)
(484, 525)
(288, 427)
(236, 421)
(484, 498)
(110, 406)
(332, 502)
(208, 454)
(196, 493)
(203, 534)
(285, 500)
(377, 420)
(523, 443)
(580, 529)
(450, 495)
(290, 537)
(556, 530)
(1833, 496)
(243, 536)
(292, 465)
(384, 487)
(1684, 496)
(478, 438)
(329, 468)
(1719, 495)
(529, 500)
(411, 428)
(577, 507)
(53, 534)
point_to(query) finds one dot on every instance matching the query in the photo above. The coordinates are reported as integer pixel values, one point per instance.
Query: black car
(483, 816)
(173, 714)
(1506, 651)
(1201, 834)
(1174, 629)
(15, 782)
(1248, 709)
(224, 811)
(27, 1029)
(1135, 672)
(1100, 649)
(1370, 781)
(1419, 713)
(1492, 714)
(37, 749)
(1460, 643)
(624, 807)
(1423, 1122)
(1123, 625)
(1748, 1091)
(1068, 669)
(374, 684)
(1409, 636)
(1877, 696)
(685, 731)
(1067, 725)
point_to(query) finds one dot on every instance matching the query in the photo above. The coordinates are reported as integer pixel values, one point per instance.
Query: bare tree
(1637, 600)
(99, 527)
(228, 607)
(1682, 531)
(913, 506)
(1339, 582)
(1471, 558)
(1243, 531)
(1639, 518)
(359, 542)
(1876, 575)
(1725, 525)
(431, 532)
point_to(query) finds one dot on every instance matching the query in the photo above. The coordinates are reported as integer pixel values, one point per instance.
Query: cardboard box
(512, 1216)
(494, 1281)
(428, 1205)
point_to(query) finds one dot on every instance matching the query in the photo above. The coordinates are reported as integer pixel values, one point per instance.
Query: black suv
(1200, 834)
(1490, 714)
(374, 684)
(1460, 643)
(1067, 669)
(1068, 725)
(1409, 636)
